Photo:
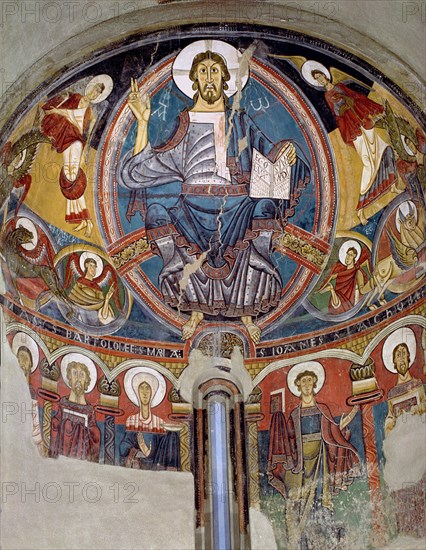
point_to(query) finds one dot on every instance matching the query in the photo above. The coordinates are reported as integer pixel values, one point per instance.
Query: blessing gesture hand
(141, 108)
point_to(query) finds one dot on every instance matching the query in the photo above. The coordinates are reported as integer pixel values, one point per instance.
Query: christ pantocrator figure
(214, 239)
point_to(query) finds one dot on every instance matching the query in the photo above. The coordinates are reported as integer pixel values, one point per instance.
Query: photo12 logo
(66, 12)
(68, 492)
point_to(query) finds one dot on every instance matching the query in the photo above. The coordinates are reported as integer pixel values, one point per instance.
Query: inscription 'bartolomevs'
(214, 238)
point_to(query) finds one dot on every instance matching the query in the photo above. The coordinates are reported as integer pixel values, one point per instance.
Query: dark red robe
(74, 432)
(346, 283)
(352, 111)
(60, 130)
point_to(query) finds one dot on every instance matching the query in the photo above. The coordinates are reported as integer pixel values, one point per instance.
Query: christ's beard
(210, 94)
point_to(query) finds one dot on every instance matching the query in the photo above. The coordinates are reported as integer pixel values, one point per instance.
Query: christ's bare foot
(189, 327)
(253, 329)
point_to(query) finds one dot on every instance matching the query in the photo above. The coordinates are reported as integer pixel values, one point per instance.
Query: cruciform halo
(232, 57)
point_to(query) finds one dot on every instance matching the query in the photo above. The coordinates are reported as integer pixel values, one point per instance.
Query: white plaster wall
(30, 29)
(111, 508)
(388, 33)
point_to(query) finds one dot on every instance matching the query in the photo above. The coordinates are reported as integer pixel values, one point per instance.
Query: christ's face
(306, 385)
(145, 393)
(78, 380)
(401, 360)
(210, 81)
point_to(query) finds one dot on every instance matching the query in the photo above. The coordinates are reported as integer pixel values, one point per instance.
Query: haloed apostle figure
(215, 240)
(74, 431)
(405, 430)
(310, 460)
(408, 395)
(27, 354)
(149, 442)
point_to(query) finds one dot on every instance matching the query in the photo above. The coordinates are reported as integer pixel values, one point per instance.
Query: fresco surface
(206, 190)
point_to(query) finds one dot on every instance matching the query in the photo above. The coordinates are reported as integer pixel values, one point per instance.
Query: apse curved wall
(239, 198)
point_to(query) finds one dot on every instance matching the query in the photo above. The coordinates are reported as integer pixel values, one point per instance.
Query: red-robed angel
(93, 286)
(68, 123)
(350, 279)
(357, 118)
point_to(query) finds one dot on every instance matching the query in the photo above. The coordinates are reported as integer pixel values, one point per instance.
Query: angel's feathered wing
(401, 253)
(108, 277)
(72, 269)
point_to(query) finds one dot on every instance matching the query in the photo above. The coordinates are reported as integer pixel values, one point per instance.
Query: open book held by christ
(269, 180)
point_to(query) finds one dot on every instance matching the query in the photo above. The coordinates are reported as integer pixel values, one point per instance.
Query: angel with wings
(68, 122)
(93, 287)
(347, 280)
(406, 263)
(27, 259)
(357, 118)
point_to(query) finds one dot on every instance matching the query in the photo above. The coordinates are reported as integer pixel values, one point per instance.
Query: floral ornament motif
(108, 387)
(221, 345)
(50, 371)
(302, 248)
(130, 253)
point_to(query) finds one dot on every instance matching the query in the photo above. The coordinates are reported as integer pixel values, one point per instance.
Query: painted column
(373, 476)
(109, 427)
(366, 392)
(108, 406)
(253, 416)
(182, 413)
(218, 426)
(49, 393)
(199, 475)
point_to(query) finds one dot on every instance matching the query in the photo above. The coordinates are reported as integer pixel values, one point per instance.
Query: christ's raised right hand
(141, 108)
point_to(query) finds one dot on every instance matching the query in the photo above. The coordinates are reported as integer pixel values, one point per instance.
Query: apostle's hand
(141, 108)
